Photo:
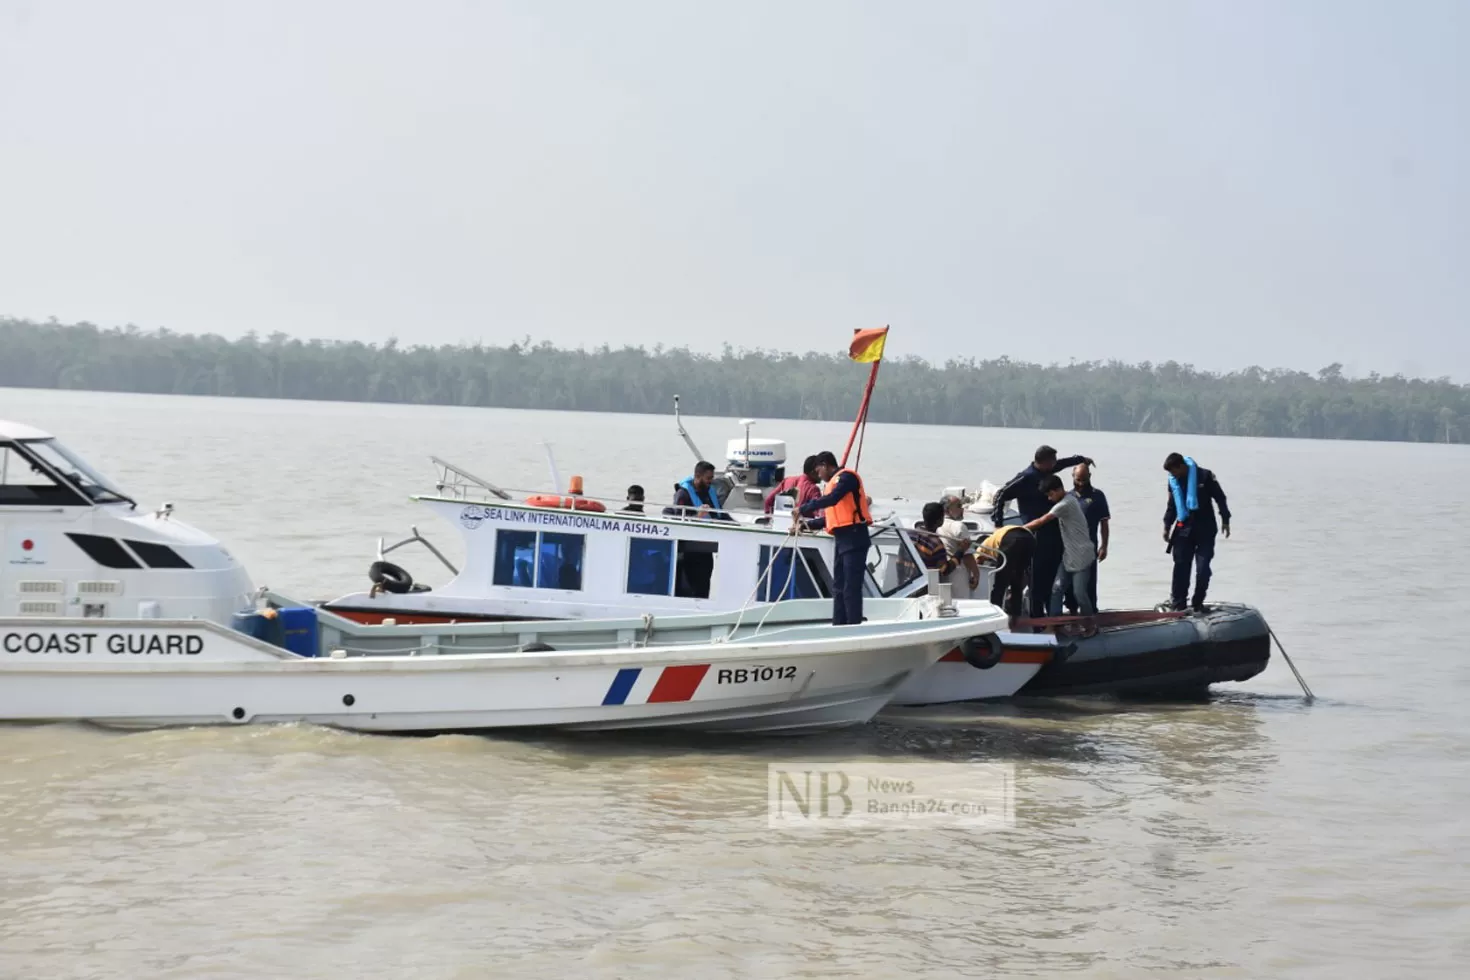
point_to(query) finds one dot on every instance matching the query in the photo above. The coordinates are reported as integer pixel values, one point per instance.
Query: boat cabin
(580, 558)
(75, 545)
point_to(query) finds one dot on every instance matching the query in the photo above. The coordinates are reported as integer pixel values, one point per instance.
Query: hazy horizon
(1281, 185)
(837, 350)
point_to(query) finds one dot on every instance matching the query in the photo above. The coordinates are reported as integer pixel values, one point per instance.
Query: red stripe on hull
(678, 683)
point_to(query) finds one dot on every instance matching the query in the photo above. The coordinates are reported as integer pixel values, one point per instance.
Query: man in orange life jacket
(844, 506)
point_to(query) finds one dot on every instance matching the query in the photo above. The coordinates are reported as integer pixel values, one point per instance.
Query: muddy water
(1245, 836)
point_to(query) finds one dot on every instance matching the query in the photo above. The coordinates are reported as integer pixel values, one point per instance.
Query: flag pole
(862, 416)
(872, 379)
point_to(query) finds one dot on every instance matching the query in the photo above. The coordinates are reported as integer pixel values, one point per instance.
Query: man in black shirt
(635, 501)
(1190, 527)
(1025, 489)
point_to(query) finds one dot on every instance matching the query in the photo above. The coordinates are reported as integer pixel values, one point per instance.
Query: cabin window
(515, 558)
(528, 559)
(561, 562)
(808, 579)
(695, 569)
(650, 566)
(23, 483)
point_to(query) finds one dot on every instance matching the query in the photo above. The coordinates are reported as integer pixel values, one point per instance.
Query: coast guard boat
(117, 617)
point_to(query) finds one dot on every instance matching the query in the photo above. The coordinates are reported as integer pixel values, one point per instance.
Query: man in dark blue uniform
(1025, 490)
(1190, 527)
(844, 507)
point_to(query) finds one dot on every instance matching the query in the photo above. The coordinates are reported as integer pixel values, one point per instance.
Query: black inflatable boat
(1151, 653)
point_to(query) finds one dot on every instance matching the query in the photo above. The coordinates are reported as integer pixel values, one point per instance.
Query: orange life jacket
(851, 509)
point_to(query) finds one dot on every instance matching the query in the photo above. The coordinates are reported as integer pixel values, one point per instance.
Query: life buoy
(389, 577)
(982, 652)
(563, 503)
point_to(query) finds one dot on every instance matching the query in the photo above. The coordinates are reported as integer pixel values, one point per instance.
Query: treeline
(1168, 397)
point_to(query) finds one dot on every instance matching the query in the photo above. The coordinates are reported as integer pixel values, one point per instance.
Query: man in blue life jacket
(1025, 489)
(846, 515)
(695, 498)
(1190, 526)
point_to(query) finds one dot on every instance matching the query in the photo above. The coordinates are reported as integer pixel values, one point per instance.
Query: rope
(791, 574)
(793, 532)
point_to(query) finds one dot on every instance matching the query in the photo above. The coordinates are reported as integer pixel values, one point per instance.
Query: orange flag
(867, 345)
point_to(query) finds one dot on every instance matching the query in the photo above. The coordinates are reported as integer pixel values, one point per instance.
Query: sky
(1273, 182)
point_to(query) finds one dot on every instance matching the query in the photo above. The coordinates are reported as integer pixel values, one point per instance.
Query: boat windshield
(75, 469)
(893, 562)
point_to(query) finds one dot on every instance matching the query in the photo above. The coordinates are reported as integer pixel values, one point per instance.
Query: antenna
(551, 464)
(680, 424)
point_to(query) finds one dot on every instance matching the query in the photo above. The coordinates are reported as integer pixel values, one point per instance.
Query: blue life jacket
(1186, 498)
(707, 500)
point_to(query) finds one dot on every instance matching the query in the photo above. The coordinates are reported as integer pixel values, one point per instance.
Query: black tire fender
(390, 577)
(982, 652)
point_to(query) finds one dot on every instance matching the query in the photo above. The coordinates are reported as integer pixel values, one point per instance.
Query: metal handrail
(444, 484)
(420, 539)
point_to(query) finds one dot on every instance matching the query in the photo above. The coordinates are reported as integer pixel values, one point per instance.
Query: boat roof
(15, 430)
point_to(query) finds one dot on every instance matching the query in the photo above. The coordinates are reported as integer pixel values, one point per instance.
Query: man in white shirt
(1078, 552)
(965, 579)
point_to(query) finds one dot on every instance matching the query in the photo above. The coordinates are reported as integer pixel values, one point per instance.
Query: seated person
(929, 544)
(695, 497)
(635, 501)
(956, 536)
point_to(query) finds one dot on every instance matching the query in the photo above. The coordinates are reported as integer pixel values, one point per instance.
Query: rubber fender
(982, 652)
(390, 577)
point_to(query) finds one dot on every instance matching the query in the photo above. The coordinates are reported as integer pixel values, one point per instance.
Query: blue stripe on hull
(621, 685)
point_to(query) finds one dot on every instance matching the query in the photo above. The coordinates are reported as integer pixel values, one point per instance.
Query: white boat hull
(952, 679)
(181, 673)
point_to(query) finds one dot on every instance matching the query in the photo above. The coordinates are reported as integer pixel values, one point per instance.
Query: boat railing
(611, 506)
(415, 538)
(457, 482)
